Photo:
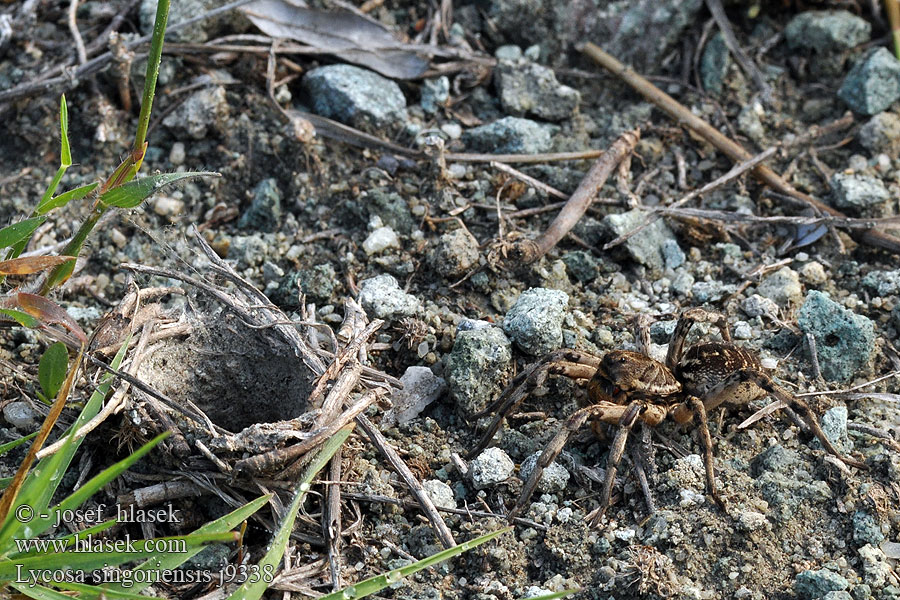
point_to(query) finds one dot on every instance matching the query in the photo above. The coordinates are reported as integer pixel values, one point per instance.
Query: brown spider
(627, 387)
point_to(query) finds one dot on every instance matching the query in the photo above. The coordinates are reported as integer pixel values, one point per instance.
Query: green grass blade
(71, 539)
(78, 193)
(19, 232)
(10, 445)
(22, 318)
(555, 595)
(65, 153)
(52, 369)
(85, 591)
(254, 588)
(134, 192)
(39, 592)
(170, 561)
(375, 584)
(153, 58)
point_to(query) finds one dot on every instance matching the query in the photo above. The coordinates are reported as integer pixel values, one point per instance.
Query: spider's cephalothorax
(626, 387)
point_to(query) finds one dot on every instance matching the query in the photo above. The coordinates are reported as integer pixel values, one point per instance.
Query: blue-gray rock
(435, 93)
(204, 110)
(477, 366)
(535, 321)
(757, 306)
(861, 592)
(382, 298)
(845, 341)
(20, 415)
(711, 291)
(883, 283)
(673, 255)
(873, 84)
(860, 193)
(421, 387)
(775, 458)
(527, 88)
(553, 479)
(646, 246)
(247, 250)
(875, 566)
(881, 133)
(582, 265)
(866, 529)
(714, 65)
(264, 212)
(440, 493)
(837, 596)
(510, 135)
(355, 96)
(811, 585)
(834, 426)
(508, 52)
(827, 31)
(490, 467)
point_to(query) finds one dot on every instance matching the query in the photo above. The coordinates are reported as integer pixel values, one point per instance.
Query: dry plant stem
(527, 251)
(718, 13)
(875, 432)
(347, 353)
(731, 175)
(733, 150)
(340, 391)
(547, 189)
(159, 493)
(275, 458)
(76, 35)
(437, 523)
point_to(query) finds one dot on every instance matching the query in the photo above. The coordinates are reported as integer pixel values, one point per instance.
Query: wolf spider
(628, 387)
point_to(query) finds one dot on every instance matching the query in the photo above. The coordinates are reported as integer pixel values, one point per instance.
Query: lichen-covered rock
(264, 211)
(382, 298)
(845, 341)
(204, 110)
(476, 366)
(490, 467)
(862, 194)
(881, 133)
(535, 321)
(553, 479)
(440, 493)
(782, 287)
(811, 584)
(526, 88)
(826, 31)
(646, 246)
(456, 252)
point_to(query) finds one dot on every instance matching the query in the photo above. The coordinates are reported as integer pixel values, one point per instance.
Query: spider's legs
(627, 420)
(801, 407)
(706, 441)
(573, 363)
(685, 321)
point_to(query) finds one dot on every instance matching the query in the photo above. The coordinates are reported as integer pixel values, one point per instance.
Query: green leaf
(77, 194)
(22, 318)
(17, 232)
(52, 369)
(10, 445)
(255, 587)
(136, 191)
(375, 584)
(39, 592)
(65, 152)
(85, 592)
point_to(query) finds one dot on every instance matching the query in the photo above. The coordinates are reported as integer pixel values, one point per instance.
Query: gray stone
(881, 133)
(834, 425)
(440, 493)
(382, 298)
(811, 585)
(435, 93)
(876, 569)
(379, 240)
(508, 52)
(553, 479)
(827, 31)
(710, 291)
(264, 212)
(318, 282)
(421, 387)
(782, 287)
(20, 415)
(714, 65)
(456, 252)
(247, 250)
(510, 135)
(477, 366)
(873, 83)
(391, 208)
(860, 193)
(535, 321)
(527, 88)
(646, 246)
(837, 596)
(490, 467)
(775, 458)
(750, 124)
(866, 529)
(204, 110)
(758, 306)
(861, 592)
(673, 255)
(883, 283)
(845, 341)
(582, 265)
(355, 96)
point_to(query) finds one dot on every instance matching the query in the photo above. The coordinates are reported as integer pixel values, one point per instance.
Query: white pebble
(380, 240)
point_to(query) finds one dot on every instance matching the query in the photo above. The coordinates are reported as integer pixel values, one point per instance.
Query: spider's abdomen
(633, 374)
(708, 368)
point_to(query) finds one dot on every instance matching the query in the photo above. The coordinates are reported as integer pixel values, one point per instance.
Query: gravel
(355, 96)
(382, 298)
(534, 323)
(553, 479)
(476, 367)
(845, 341)
(489, 468)
(510, 135)
(873, 84)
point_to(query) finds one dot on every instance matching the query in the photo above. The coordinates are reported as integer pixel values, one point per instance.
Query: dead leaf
(48, 312)
(31, 264)
(345, 34)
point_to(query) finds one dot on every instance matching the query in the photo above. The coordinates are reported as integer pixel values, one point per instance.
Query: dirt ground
(796, 525)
